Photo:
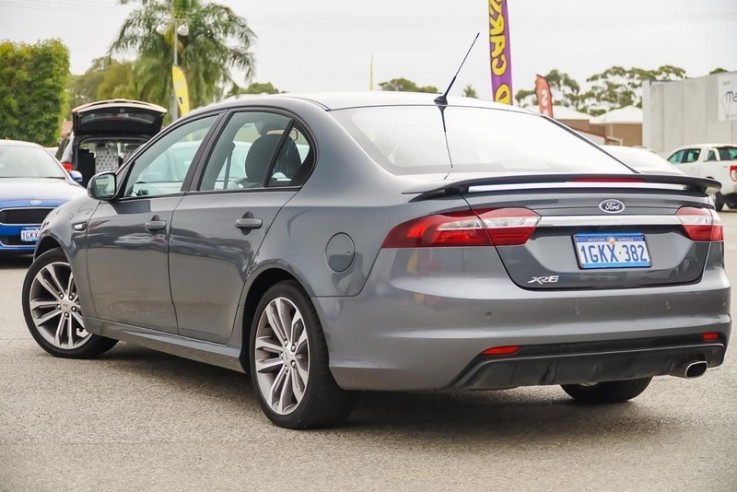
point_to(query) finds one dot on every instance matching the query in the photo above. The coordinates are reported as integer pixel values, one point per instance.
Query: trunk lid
(117, 116)
(597, 232)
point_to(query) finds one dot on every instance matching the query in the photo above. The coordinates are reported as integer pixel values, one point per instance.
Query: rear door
(590, 237)
(218, 228)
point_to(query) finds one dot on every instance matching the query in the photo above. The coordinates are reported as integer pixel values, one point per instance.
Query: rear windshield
(410, 140)
(20, 161)
(117, 114)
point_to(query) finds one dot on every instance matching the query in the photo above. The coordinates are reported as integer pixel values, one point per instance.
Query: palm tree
(218, 41)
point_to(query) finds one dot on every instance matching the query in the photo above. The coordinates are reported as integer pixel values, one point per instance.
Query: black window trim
(212, 140)
(186, 184)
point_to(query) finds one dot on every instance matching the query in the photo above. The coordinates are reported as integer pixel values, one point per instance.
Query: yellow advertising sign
(180, 89)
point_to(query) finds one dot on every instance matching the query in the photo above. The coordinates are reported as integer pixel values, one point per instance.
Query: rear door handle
(155, 225)
(248, 223)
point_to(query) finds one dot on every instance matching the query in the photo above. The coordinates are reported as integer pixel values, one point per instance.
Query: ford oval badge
(611, 206)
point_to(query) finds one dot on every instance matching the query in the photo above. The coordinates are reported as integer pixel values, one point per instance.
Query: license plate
(622, 250)
(29, 235)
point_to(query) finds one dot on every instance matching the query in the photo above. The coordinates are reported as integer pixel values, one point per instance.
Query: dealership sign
(727, 91)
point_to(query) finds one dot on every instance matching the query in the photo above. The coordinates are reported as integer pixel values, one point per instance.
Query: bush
(33, 101)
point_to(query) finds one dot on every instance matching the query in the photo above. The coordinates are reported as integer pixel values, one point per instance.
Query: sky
(314, 45)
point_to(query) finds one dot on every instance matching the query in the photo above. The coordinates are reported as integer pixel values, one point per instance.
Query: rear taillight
(67, 166)
(450, 229)
(733, 172)
(701, 224)
(501, 227)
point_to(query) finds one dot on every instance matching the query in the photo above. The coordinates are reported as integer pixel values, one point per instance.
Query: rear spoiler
(690, 183)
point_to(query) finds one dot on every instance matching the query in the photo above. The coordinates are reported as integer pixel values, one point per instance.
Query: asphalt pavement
(140, 420)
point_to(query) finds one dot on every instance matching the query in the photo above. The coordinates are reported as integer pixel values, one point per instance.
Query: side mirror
(76, 176)
(102, 186)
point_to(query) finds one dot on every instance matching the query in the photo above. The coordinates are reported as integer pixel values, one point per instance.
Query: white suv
(716, 161)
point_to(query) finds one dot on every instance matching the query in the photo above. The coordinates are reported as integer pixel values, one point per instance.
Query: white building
(690, 111)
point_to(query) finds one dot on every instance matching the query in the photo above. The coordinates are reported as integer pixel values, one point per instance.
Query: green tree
(469, 91)
(33, 98)
(564, 90)
(261, 88)
(404, 85)
(617, 87)
(718, 70)
(82, 89)
(217, 42)
(117, 81)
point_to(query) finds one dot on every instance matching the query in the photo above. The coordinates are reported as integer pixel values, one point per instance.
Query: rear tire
(289, 362)
(608, 392)
(719, 201)
(52, 311)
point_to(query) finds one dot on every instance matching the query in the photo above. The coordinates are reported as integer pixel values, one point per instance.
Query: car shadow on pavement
(537, 415)
(14, 262)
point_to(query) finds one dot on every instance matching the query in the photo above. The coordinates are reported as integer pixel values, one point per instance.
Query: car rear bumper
(590, 363)
(411, 332)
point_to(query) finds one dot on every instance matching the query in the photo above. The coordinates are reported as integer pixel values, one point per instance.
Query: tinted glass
(410, 140)
(244, 151)
(692, 155)
(727, 153)
(162, 168)
(294, 162)
(677, 157)
(18, 161)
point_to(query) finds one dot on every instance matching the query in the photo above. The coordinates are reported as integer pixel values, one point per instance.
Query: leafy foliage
(617, 87)
(404, 85)
(563, 88)
(218, 41)
(107, 78)
(261, 88)
(469, 91)
(33, 100)
(718, 70)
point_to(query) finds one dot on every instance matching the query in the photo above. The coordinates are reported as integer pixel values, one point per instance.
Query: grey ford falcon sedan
(386, 241)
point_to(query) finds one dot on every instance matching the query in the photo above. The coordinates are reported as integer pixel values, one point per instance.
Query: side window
(712, 156)
(677, 157)
(161, 169)
(294, 162)
(692, 155)
(244, 152)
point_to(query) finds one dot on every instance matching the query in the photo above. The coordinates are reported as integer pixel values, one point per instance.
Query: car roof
(18, 143)
(703, 145)
(342, 100)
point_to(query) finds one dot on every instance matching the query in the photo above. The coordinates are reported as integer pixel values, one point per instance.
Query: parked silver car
(342, 242)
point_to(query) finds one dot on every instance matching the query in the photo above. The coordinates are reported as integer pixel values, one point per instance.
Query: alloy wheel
(54, 307)
(282, 355)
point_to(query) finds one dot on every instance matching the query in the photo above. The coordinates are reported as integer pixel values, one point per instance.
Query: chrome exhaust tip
(690, 370)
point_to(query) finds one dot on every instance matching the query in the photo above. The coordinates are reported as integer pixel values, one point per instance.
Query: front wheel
(52, 311)
(289, 362)
(608, 392)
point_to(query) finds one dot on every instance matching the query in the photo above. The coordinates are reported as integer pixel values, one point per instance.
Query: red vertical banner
(500, 52)
(544, 98)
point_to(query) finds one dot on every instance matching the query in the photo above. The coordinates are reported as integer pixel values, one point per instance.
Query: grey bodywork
(394, 319)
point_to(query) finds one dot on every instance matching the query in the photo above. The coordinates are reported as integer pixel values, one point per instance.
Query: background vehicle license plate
(622, 250)
(29, 235)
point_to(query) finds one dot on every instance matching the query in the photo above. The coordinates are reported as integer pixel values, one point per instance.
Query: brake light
(606, 180)
(710, 336)
(701, 224)
(501, 227)
(505, 350)
(67, 166)
(733, 172)
(450, 229)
